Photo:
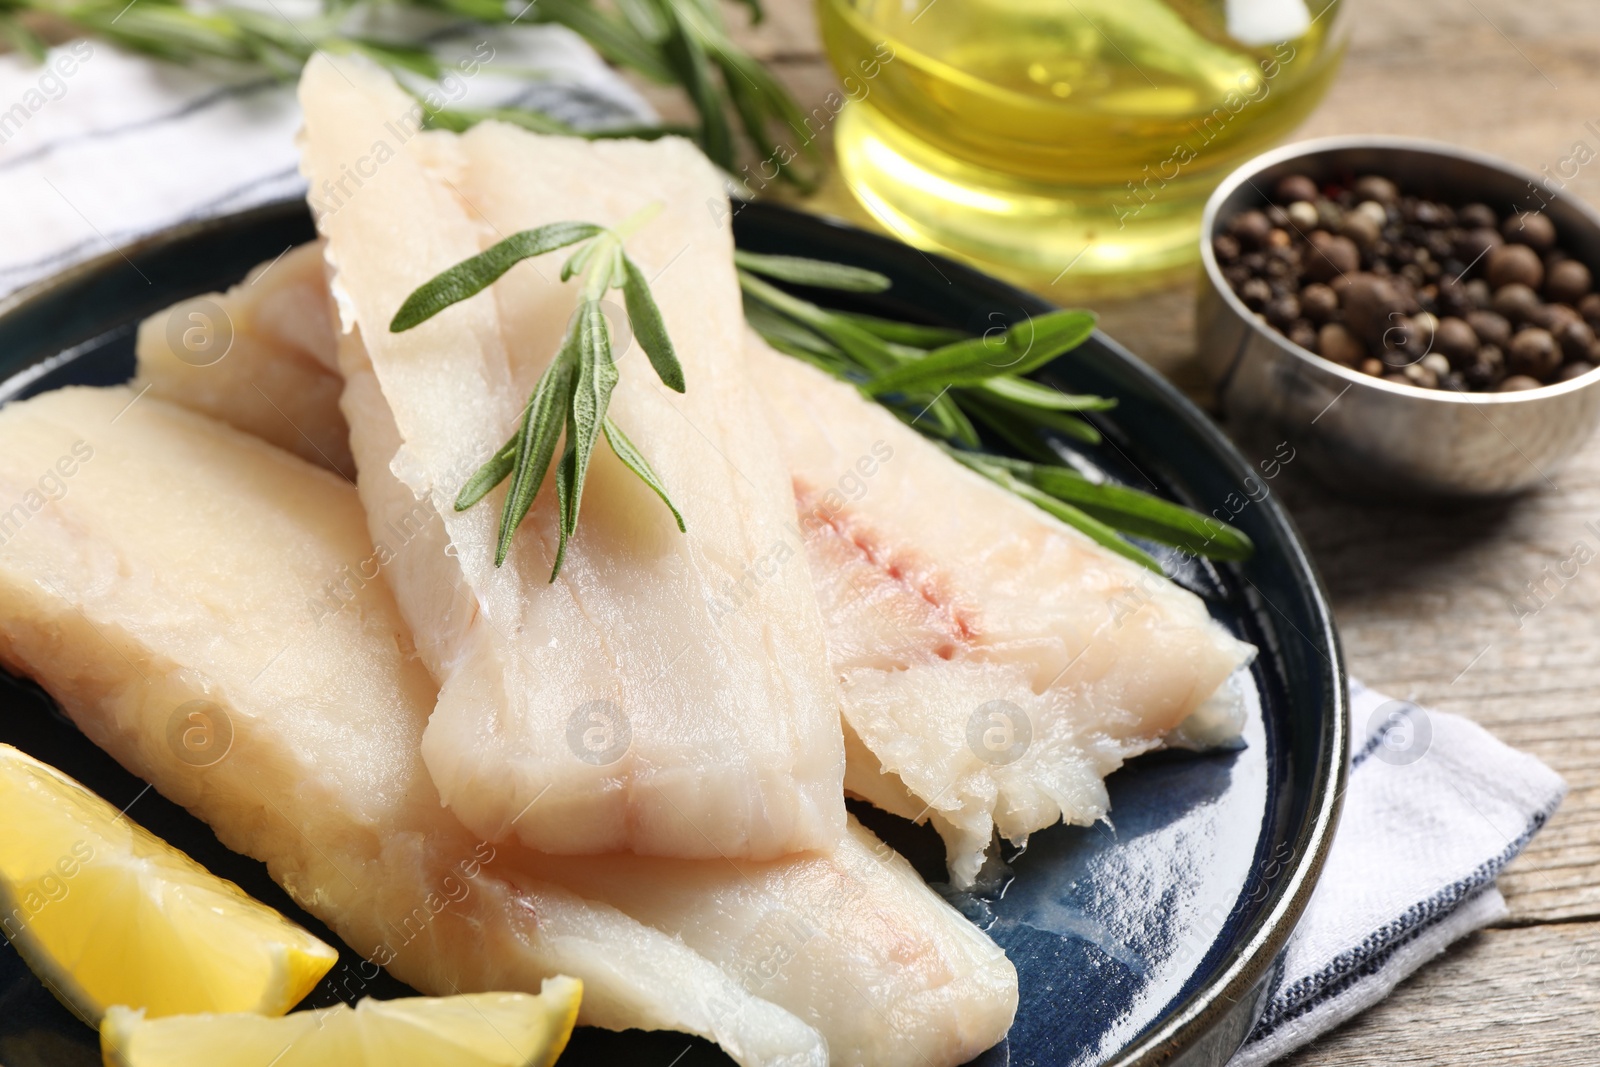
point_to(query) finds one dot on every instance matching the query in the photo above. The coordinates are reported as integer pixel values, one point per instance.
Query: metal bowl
(1361, 434)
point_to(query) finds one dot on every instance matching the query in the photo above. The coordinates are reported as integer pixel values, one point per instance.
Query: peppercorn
(1514, 265)
(1519, 382)
(1516, 302)
(1421, 376)
(1534, 353)
(1250, 227)
(1302, 215)
(1491, 328)
(1318, 302)
(1473, 245)
(1281, 311)
(1573, 370)
(1370, 304)
(1293, 187)
(1530, 228)
(1330, 256)
(1575, 337)
(1567, 282)
(1373, 367)
(1374, 187)
(1335, 342)
(1486, 368)
(1476, 215)
(1589, 308)
(1255, 293)
(1456, 341)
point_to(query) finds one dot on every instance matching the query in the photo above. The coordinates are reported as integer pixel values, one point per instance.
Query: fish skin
(735, 748)
(323, 781)
(925, 612)
(264, 358)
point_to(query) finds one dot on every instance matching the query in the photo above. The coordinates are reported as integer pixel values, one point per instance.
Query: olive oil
(1066, 142)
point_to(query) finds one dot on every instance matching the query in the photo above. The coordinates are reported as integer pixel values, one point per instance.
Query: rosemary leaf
(907, 333)
(998, 410)
(491, 473)
(814, 272)
(872, 353)
(1133, 510)
(1024, 347)
(686, 55)
(472, 276)
(644, 318)
(566, 474)
(596, 377)
(1033, 395)
(535, 444)
(635, 461)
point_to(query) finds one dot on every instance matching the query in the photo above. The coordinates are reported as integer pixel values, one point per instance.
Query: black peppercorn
(1455, 340)
(1330, 256)
(1255, 293)
(1575, 337)
(1318, 302)
(1476, 215)
(1530, 228)
(1514, 265)
(1516, 302)
(1375, 187)
(1294, 187)
(1281, 311)
(1567, 282)
(1337, 343)
(1534, 353)
(1491, 327)
(1250, 227)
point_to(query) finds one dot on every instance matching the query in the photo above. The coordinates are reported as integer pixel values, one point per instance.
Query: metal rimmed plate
(1149, 939)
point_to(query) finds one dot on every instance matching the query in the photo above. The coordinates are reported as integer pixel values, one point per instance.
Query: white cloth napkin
(98, 148)
(1434, 810)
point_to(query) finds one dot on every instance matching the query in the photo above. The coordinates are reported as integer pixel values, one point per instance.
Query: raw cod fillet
(613, 709)
(154, 558)
(262, 356)
(996, 664)
(926, 627)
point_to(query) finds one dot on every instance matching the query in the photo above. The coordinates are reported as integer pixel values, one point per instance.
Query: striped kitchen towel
(98, 148)
(1434, 810)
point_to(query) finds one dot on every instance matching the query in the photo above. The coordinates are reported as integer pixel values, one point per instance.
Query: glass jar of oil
(1067, 144)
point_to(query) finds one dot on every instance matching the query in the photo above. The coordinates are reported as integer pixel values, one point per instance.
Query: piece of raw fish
(172, 583)
(262, 357)
(613, 709)
(996, 664)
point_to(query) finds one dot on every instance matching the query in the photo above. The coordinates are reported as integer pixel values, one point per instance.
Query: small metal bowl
(1361, 434)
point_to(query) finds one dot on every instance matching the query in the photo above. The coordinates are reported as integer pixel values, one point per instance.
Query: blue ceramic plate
(1150, 939)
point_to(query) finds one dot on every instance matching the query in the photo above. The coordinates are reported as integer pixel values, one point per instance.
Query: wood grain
(1426, 601)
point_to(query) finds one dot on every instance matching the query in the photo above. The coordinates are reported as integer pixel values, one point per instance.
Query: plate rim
(1187, 1026)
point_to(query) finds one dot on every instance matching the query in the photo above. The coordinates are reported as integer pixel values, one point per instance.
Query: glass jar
(1067, 143)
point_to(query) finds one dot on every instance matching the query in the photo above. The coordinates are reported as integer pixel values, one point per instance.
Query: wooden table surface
(1424, 601)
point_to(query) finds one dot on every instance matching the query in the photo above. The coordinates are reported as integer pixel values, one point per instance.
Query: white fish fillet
(996, 664)
(154, 558)
(900, 594)
(262, 356)
(614, 709)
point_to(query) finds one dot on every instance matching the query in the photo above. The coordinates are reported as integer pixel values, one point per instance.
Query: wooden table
(1424, 601)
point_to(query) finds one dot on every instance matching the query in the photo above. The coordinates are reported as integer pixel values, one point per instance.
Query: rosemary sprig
(942, 382)
(574, 391)
(671, 42)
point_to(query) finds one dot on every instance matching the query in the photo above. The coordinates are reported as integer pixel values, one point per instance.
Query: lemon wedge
(473, 1030)
(107, 913)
